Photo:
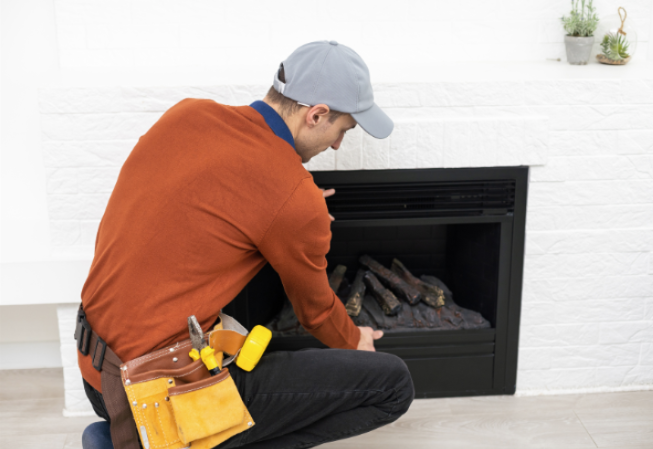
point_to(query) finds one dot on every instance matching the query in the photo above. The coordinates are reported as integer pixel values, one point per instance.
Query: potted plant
(580, 26)
(614, 49)
(619, 40)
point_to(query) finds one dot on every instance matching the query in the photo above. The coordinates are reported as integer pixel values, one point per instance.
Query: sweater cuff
(337, 330)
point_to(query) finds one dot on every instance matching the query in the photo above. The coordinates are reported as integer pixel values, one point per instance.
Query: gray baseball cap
(333, 74)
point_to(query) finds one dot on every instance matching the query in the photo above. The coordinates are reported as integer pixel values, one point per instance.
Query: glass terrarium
(617, 39)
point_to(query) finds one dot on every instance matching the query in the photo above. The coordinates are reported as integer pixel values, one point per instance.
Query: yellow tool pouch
(177, 404)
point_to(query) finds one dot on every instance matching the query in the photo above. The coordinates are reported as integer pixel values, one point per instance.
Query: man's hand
(326, 193)
(368, 335)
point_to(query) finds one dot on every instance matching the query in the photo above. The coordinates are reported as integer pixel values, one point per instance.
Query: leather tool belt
(173, 400)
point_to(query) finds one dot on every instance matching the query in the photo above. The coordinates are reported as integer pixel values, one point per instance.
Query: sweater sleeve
(296, 244)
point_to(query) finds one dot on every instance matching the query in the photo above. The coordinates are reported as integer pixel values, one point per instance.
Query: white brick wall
(587, 316)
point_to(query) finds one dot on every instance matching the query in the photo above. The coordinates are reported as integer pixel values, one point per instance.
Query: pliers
(200, 348)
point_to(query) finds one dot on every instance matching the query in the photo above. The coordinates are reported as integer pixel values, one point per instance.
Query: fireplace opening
(459, 229)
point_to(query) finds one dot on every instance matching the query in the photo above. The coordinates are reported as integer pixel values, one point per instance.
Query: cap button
(333, 42)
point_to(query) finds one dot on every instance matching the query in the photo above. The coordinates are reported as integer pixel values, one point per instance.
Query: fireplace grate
(425, 199)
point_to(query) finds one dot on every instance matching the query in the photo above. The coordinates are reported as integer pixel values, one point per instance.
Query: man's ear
(317, 114)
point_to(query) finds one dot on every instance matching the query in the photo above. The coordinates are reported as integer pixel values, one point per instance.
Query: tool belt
(173, 399)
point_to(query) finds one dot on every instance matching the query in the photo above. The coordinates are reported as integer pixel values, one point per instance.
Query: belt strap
(123, 427)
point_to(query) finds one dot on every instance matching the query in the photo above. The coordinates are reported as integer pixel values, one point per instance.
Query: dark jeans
(304, 398)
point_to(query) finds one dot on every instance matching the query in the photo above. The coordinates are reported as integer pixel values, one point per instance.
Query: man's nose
(337, 143)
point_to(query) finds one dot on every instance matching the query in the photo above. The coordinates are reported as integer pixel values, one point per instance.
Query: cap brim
(375, 122)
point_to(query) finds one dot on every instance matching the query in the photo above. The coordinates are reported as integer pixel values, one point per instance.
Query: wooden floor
(31, 402)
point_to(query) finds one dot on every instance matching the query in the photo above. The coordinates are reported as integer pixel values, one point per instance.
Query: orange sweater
(207, 196)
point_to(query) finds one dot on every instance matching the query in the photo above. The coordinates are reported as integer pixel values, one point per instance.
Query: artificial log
(375, 312)
(432, 295)
(452, 314)
(355, 300)
(398, 286)
(336, 277)
(386, 299)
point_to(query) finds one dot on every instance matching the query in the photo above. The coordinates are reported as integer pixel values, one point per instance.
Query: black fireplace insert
(463, 226)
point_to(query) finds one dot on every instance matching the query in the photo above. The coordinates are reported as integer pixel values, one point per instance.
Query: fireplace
(463, 226)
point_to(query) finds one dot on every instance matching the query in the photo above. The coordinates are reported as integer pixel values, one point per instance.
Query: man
(209, 195)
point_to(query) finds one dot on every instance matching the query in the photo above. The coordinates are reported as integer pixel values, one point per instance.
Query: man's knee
(398, 378)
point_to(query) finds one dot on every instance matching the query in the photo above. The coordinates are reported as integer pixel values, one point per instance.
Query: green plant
(614, 46)
(583, 22)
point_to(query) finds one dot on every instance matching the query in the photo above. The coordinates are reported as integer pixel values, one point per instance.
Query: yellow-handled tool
(200, 348)
(255, 344)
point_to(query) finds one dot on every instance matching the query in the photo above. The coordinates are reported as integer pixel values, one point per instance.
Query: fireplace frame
(442, 363)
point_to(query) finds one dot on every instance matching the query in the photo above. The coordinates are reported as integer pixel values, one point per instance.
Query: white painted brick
(80, 100)
(61, 180)
(89, 232)
(326, 160)
(72, 378)
(470, 143)
(69, 354)
(534, 358)
(580, 117)
(614, 354)
(77, 401)
(156, 99)
(556, 169)
(397, 95)
(614, 333)
(646, 354)
(556, 379)
(66, 316)
(600, 167)
(623, 117)
(87, 153)
(416, 144)
(639, 375)
(557, 335)
(629, 289)
(80, 207)
(536, 141)
(577, 312)
(614, 376)
(510, 142)
(376, 153)
(570, 357)
(584, 143)
(64, 232)
(480, 93)
(350, 154)
(634, 142)
(97, 180)
(615, 216)
(587, 241)
(567, 92)
(431, 113)
(96, 126)
(584, 193)
(607, 264)
(636, 91)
